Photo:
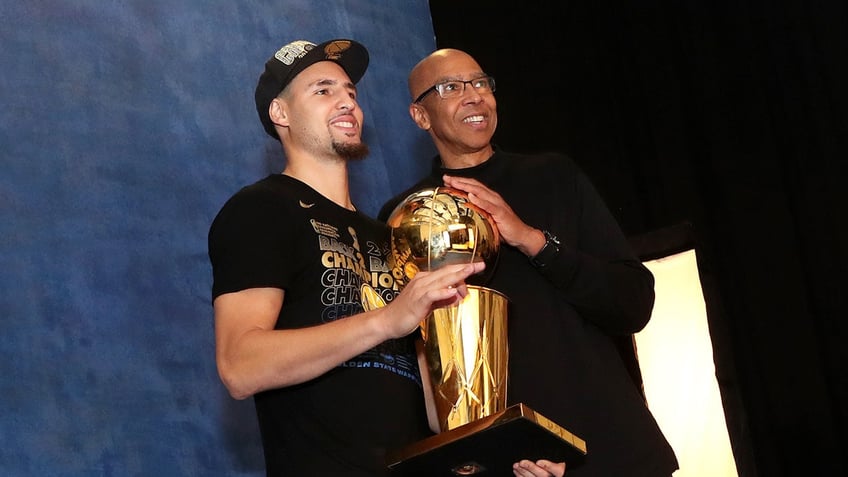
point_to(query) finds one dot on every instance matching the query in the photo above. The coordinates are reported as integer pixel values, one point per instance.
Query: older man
(571, 279)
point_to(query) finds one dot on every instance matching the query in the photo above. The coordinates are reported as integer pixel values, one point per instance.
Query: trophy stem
(466, 350)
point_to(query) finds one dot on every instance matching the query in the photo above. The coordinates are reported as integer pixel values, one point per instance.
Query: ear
(277, 112)
(420, 116)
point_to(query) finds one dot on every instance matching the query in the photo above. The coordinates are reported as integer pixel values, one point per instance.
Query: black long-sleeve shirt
(563, 361)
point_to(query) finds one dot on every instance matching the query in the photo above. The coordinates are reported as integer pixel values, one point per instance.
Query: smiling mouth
(474, 119)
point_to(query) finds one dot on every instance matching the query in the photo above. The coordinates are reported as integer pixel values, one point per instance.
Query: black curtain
(721, 125)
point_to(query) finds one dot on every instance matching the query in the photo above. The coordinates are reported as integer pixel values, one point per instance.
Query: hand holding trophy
(466, 349)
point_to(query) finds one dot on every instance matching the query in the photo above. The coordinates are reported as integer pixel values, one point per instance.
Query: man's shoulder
(252, 202)
(552, 164)
(266, 190)
(269, 185)
(537, 157)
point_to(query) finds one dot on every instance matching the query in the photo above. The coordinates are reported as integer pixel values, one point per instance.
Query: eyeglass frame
(436, 87)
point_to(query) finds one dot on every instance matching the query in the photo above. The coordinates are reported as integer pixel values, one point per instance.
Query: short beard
(351, 152)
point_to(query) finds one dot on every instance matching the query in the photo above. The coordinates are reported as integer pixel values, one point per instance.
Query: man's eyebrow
(332, 82)
(443, 79)
(473, 76)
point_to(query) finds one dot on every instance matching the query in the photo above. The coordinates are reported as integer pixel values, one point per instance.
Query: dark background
(718, 125)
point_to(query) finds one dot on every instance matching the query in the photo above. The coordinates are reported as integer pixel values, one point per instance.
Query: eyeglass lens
(484, 84)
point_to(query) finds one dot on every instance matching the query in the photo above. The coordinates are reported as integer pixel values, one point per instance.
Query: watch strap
(548, 251)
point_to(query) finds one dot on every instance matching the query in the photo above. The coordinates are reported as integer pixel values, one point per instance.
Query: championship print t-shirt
(281, 233)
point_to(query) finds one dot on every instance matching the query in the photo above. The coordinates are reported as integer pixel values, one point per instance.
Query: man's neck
(464, 160)
(329, 178)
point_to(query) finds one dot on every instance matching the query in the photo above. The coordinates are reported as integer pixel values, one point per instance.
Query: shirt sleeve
(248, 245)
(595, 269)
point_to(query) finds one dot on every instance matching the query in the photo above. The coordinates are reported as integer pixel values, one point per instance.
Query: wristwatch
(548, 252)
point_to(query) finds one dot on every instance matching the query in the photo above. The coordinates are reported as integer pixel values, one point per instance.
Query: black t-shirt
(281, 233)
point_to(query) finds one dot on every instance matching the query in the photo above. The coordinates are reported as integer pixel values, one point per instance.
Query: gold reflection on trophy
(465, 344)
(440, 226)
(466, 352)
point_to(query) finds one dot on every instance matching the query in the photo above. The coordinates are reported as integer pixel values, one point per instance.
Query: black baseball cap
(295, 57)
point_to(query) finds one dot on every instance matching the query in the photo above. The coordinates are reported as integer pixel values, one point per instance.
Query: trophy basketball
(466, 350)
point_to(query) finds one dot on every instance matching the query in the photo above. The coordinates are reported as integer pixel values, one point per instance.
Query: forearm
(252, 356)
(262, 359)
(615, 294)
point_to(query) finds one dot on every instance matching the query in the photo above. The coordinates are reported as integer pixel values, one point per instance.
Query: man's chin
(351, 151)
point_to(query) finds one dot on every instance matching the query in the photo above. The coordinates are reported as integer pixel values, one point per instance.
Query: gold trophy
(466, 350)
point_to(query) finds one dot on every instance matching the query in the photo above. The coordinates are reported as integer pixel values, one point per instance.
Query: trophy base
(489, 446)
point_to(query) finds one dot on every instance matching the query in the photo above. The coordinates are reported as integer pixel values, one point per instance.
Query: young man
(334, 386)
(572, 281)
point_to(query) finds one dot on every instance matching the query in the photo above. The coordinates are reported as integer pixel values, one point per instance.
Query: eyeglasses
(454, 88)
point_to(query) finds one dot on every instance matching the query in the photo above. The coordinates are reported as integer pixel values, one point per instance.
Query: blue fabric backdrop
(124, 127)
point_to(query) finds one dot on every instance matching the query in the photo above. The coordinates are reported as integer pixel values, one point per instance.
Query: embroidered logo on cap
(334, 49)
(293, 51)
